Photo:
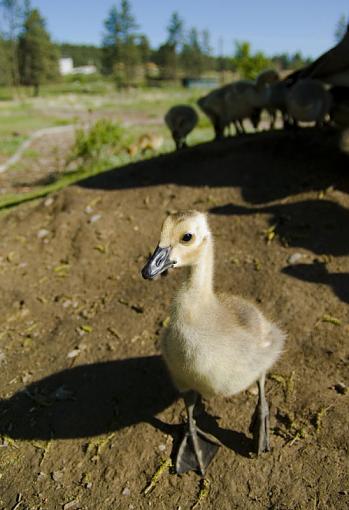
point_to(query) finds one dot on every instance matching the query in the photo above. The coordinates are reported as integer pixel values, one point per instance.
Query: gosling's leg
(242, 127)
(260, 424)
(197, 448)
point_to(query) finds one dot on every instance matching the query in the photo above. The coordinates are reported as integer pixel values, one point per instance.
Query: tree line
(186, 51)
(27, 54)
(29, 57)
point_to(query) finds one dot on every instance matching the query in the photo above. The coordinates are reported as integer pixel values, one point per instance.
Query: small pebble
(88, 209)
(70, 504)
(95, 218)
(162, 447)
(73, 353)
(48, 202)
(294, 258)
(43, 232)
(126, 491)
(57, 476)
(26, 377)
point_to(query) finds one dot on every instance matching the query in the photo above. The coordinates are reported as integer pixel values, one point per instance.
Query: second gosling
(215, 344)
(181, 120)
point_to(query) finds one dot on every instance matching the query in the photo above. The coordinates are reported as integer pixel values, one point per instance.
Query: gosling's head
(183, 238)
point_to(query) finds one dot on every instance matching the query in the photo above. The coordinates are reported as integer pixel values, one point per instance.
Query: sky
(273, 26)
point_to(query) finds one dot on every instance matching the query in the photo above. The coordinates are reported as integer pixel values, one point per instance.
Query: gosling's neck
(200, 274)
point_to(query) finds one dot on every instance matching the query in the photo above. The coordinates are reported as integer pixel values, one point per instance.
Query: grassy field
(138, 111)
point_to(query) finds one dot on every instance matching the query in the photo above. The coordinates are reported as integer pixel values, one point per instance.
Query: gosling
(215, 344)
(181, 120)
(308, 101)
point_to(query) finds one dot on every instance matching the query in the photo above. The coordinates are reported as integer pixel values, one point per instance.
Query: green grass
(21, 119)
(66, 103)
(12, 199)
(71, 86)
(69, 103)
(9, 144)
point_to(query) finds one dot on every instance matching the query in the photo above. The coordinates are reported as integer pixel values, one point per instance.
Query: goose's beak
(157, 263)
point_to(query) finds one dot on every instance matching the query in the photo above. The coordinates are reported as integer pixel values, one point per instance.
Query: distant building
(90, 69)
(66, 66)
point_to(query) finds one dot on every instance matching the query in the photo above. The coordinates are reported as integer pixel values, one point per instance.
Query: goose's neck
(200, 277)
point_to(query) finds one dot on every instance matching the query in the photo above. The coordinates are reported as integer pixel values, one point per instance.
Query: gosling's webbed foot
(196, 458)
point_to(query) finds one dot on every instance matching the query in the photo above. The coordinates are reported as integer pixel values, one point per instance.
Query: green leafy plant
(102, 140)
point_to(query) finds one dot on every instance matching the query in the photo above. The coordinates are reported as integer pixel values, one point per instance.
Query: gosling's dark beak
(157, 263)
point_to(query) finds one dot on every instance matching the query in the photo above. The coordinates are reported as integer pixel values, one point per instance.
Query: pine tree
(167, 54)
(175, 30)
(192, 57)
(206, 50)
(5, 63)
(12, 15)
(166, 59)
(128, 24)
(144, 48)
(38, 57)
(120, 49)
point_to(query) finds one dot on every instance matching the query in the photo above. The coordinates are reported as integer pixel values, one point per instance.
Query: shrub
(102, 140)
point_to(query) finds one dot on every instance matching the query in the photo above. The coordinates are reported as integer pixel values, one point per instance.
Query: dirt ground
(88, 415)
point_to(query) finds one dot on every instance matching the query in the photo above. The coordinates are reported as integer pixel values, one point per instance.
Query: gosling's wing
(244, 314)
(251, 320)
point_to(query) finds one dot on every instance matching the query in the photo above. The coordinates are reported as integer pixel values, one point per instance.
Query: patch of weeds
(103, 139)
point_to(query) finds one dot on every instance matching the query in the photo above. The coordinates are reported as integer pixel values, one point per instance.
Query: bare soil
(87, 411)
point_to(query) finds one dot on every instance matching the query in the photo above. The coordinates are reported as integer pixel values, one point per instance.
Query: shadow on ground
(89, 400)
(289, 164)
(318, 273)
(316, 225)
(95, 399)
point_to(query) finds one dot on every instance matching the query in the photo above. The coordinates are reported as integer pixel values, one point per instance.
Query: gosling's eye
(187, 237)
